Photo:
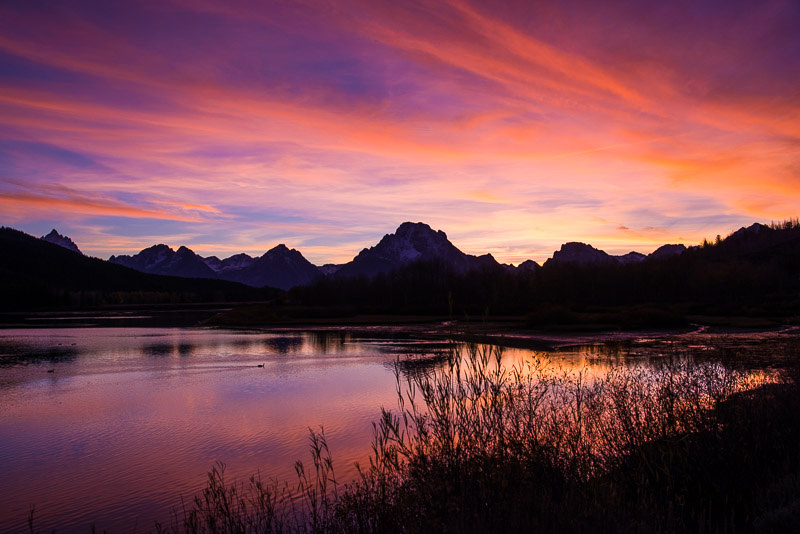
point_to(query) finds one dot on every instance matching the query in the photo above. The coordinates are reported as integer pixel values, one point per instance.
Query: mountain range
(51, 272)
(418, 270)
(280, 267)
(584, 254)
(283, 268)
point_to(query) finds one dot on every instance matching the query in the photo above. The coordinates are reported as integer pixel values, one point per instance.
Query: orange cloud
(452, 103)
(21, 205)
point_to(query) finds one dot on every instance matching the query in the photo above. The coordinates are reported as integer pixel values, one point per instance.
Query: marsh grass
(476, 446)
(480, 445)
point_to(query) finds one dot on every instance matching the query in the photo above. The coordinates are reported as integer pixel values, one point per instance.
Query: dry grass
(476, 445)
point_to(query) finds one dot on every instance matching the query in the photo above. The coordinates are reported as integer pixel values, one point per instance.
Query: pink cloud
(528, 125)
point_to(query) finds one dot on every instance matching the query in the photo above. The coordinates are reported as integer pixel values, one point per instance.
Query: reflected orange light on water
(131, 420)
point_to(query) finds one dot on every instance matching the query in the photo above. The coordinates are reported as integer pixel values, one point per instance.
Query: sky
(514, 127)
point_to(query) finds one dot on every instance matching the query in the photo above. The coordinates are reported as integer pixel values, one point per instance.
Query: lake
(112, 426)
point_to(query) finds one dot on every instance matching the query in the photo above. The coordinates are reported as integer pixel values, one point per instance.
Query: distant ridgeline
(38, 273)
(754, 271)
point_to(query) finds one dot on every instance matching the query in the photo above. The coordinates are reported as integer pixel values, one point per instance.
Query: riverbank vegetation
(746, 279)
(477, 444)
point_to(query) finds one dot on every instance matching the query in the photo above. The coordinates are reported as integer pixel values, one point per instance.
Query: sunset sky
(234, 126)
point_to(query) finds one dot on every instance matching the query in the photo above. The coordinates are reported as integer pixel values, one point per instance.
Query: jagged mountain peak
(153, 255)
(61, 240)
(410, 243)
(279, 267)
(162, 259)
(409, 230)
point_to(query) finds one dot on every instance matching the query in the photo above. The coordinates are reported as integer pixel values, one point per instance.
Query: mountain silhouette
(417, 269)
(161, 259)
(412, 242)
(61, 240)
(36, 273)
(581, 253)
(280, 267)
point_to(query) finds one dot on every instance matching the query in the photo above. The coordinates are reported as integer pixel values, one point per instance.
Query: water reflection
(412, 365)
(327, 341)
(19, 354)
(287, 345)
(130, 419)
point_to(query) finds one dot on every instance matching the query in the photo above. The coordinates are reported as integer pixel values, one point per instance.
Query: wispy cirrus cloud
(513, 127)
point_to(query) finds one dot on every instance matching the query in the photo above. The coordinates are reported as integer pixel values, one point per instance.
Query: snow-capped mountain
(61, 240)
(410, 243)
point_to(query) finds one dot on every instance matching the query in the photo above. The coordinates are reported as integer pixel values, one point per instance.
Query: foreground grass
(475, 446)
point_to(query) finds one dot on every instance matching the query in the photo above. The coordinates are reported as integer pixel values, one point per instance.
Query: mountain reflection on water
(111, 426)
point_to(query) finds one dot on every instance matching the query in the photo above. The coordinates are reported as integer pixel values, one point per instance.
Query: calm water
(112, 426)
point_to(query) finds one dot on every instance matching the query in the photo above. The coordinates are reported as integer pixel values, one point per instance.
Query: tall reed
(480, 445)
